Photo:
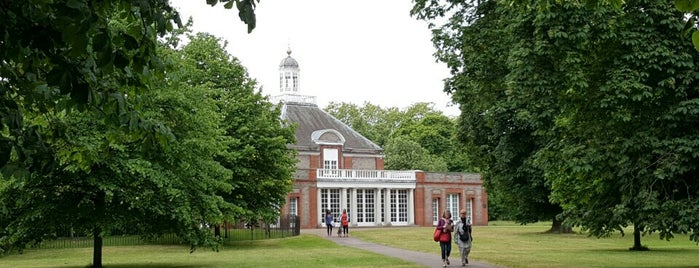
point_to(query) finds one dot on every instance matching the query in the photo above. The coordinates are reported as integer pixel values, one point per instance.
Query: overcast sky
(348, 51)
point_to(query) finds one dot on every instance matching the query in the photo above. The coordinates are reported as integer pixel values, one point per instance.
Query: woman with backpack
(462, 236)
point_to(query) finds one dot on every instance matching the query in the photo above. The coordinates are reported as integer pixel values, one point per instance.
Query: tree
(420, 123)
(405, 154)
(624, 123)
(689, 7)
(604, 97)
(93, 179)
(256, 138)
(499, 134)
(60, 55)
(373, 122)
(225, 158)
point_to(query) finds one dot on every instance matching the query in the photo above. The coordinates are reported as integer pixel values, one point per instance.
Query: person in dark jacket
(329, 222)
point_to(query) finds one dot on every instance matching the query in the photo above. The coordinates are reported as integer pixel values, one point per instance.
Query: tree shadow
(650, 250)
(664, 266)
(137, 265)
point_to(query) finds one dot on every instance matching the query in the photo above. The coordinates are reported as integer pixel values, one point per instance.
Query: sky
(348, 51)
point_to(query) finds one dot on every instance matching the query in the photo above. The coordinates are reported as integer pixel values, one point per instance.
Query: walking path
(426, 259)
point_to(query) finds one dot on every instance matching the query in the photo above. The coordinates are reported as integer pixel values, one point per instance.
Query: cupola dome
(288, 62)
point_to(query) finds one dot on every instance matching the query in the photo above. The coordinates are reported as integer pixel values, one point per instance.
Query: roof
(288, 62)
(312, 121)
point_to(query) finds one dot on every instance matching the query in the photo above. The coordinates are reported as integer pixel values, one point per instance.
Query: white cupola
(290, 82)
(289, 73)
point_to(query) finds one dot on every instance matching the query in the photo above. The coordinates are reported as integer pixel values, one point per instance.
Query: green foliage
(405, 154)
(499, 131)
(255, 138)
(198, 147)
(420, 127)
(61, 55)
(586, 106)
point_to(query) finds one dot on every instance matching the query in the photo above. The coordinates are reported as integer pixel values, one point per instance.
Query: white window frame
(330, 158)
(399, 206)
(330, 199)
(365, 206)
(453, 205)
(435, 211)
(294, 206)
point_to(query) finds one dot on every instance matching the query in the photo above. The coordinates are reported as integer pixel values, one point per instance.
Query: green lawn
(511, 245)
(503, 244)
(306, 251)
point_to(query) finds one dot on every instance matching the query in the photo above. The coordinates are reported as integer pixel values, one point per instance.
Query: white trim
(365, 184)
(411, 206)
(307, 153)
(364, 155)
(343, 153)
(315, 137)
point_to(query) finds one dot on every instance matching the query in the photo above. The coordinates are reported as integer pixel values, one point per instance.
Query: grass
(502, 243)
(306, 251)
(512, 245)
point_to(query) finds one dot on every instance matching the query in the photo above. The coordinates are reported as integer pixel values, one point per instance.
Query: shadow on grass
(665, 266)
(138, 265)
(303, 241)
(649, 251)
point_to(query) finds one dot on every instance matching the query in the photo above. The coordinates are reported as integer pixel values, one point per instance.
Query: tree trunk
(558, 228)
(97, 230)
(637, 239)
(97, 248)
(226, 228)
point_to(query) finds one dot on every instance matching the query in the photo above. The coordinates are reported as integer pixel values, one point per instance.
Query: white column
(411, 206)
(387, 207)
(319, 209)
(377, 207)
(353, 207)
(343, 199)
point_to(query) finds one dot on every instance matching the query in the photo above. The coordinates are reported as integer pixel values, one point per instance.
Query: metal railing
(287, 226)
(293, 98)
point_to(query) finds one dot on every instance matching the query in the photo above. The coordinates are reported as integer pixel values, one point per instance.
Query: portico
(371, 197)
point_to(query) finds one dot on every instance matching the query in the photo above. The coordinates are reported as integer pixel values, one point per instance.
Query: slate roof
(310, 118)
(289, 62)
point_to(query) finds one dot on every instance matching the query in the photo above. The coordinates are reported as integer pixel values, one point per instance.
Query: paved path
(426, 259)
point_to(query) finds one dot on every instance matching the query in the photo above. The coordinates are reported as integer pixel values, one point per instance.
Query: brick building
(339, 168)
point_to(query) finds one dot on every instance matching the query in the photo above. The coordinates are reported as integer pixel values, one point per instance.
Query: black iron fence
(286, 226)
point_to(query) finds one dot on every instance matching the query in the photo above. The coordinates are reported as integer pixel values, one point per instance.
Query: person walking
(445, 225)
(462, 236)
(329, 222)
(344, 220)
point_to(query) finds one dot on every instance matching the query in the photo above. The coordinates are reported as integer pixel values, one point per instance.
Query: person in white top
(462, 236)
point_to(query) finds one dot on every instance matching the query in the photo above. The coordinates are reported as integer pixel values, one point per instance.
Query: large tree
(255, 138)
(223, 157)
(627, 106)
(66, 54)
(497, 132)
(605, 98)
